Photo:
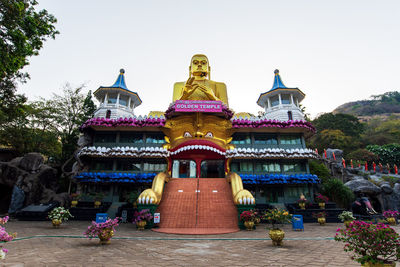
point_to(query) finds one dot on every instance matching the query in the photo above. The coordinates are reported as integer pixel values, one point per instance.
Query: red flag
(366, 166)
(344, 163)
(325, 154)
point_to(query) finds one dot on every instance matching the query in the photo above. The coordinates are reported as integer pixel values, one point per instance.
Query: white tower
(281, 103)
(116, 101)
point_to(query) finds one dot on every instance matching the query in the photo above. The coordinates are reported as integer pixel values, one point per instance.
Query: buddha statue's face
(199, 65)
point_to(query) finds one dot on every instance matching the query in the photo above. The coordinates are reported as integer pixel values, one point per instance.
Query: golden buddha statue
(199, 86)
(199, 128)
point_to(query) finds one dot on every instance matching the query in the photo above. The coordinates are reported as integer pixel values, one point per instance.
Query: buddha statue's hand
(148, 196)
(244, 197)
(188, 89)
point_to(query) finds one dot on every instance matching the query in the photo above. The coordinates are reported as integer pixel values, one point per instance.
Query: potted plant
(4, 237)
(97, 198)
(277, 217)
(321, 217)
(257, 217)
(140, 218)
(104, 231)
(58, 215)
(346, 217)
(391, 216)
(302, 201)
(75, 197)
(371, 244)
(248, 218)
(322, 200)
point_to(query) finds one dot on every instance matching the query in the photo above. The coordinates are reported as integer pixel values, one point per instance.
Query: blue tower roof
(120, 82)
(277, 81)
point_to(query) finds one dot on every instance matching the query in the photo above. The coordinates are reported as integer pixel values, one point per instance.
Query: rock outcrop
(37, 181)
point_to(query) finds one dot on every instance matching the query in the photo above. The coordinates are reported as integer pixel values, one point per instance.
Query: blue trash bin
(101, 217)
(297, 223)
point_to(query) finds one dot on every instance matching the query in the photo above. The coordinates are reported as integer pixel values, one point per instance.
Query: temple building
(197, 163)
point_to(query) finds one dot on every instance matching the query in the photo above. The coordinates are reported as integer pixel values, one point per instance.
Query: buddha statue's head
(199, 66)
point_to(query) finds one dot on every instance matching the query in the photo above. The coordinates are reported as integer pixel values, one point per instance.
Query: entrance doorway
(184, 168)
(212, 169)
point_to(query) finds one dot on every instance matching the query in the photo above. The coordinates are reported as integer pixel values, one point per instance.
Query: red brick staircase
(197, 206)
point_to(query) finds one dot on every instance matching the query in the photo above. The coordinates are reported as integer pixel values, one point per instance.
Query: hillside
(379, 106)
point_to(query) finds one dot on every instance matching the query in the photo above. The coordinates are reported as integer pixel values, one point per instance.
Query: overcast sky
(334, 51)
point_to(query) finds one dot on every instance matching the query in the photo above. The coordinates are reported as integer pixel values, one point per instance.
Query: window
(265, 139)
(123, 100)
(290, 115)
(128, 165)
(267, 167)
(274, 101)
(155, 139)
(285, 98)
(112, 99)
(241, 139)
(290, 140)
(135, 138)
(102, 165)
(151, 166)
(212, 169)
(105, 138)
(294, 167)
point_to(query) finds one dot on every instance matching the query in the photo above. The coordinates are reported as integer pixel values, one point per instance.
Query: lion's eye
(187, 134)
(209, 134)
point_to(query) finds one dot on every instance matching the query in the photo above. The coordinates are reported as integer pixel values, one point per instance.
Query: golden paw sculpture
(153, 195)
(240, 196)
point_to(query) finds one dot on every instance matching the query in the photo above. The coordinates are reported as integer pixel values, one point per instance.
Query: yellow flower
(285, 213)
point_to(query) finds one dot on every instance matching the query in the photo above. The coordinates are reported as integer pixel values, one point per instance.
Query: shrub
(319, 169)
(362, 155)
(338, 192)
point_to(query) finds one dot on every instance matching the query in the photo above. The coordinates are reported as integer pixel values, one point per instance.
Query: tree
(23, 31)
(346, 123)
(388, 154)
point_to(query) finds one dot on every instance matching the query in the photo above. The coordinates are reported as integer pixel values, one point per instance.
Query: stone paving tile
(60, 251)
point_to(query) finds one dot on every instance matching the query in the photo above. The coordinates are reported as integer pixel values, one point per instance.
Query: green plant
(59, 213)
(277, 216)
(97, 196)
(320, 170)
(143, 215)
(132, 196)
(362, 155)
(338, 192)
(390, 179)
(377, 244)
(346, 216)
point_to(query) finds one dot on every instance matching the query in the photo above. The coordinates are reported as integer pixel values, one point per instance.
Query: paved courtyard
(39, 244)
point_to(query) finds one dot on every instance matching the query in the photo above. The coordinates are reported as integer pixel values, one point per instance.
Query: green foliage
(338, 192)
(23, 31)
(390, 179)
(320, 170)
(388, 154)
(362, 155)
(349, 125)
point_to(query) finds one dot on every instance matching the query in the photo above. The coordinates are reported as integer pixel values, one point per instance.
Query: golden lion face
(198, 129)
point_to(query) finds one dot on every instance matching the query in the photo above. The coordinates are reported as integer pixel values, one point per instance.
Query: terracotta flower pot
(276, 236)
(249, 225)
(105, 236)
(321, 205)
(321, 221)
(56, 223)
(141, 225)
(302, 205)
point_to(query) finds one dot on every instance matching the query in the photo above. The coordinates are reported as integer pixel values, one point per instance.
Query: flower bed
(131, 122)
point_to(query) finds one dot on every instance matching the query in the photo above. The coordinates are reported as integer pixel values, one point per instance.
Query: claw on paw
(148, 196)
(244, 197)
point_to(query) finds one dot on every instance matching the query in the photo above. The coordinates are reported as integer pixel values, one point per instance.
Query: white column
(106, 99)
(297, 101)
(117, 103)
(280, 100)
(269, 104)
(291, 100)
(129, 103)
